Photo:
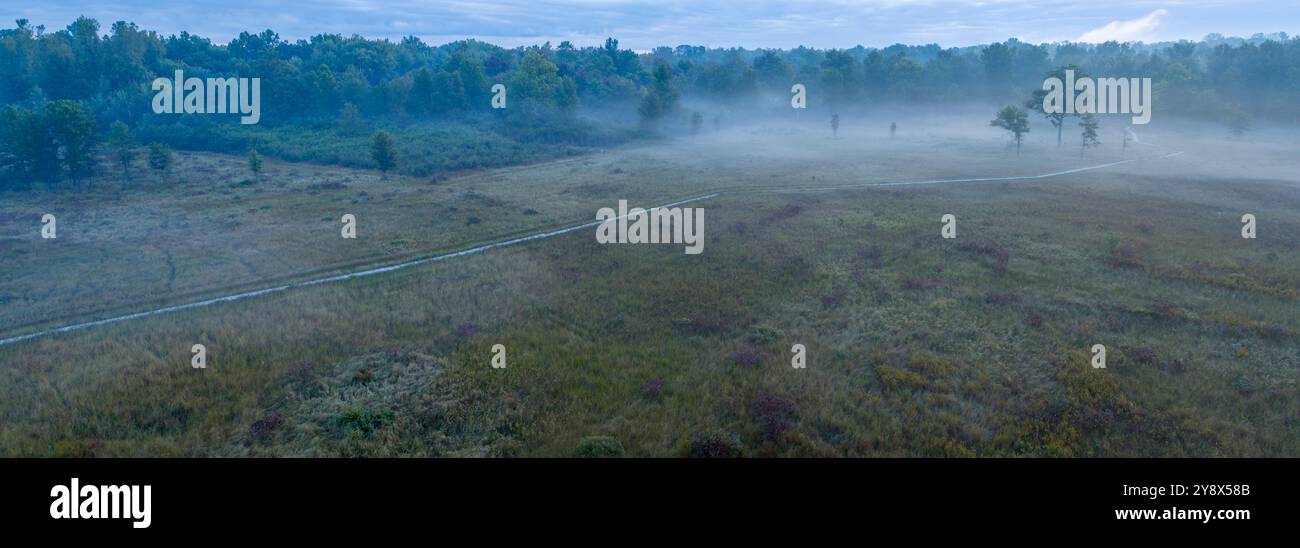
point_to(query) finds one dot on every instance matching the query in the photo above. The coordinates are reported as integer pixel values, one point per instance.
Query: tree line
(63, 91)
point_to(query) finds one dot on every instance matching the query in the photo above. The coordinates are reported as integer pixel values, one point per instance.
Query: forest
(72, 94)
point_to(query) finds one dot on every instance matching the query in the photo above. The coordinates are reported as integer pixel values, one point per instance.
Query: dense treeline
(63, 90)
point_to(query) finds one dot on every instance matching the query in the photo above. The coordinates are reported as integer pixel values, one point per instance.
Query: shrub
(361, 421)
(714, 444)
(1166, 310)
(761, 334)
(262, 429)
(1144, 355)
(772, 412)
(996, 297)
(745, 358)
(652, 389)
(894, 378)
(1124, 253)
(363, 376)
(467, 330)
(598, 447)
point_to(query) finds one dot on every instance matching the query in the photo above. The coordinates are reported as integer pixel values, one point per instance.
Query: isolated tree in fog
(697, 121)
(123, 144)
(1238, 121)
(1014, 120)
(1089, 124)
(1035, 104)
(835, 124)
(160, 157)
(893, 128)
(383, 150)
(255, 163)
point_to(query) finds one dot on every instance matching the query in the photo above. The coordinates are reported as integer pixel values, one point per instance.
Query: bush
(745, 358)
(598, 447)
(761, 334)
(362, 421)
(652, 389)
(714, 444)
(772, 412)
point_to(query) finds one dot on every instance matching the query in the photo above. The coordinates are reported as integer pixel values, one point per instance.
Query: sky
(644, 24)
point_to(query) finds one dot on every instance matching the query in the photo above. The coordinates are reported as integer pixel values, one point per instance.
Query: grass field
(917, 345)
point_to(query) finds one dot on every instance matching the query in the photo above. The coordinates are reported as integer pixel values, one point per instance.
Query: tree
(835, 124)
(697, 121)
(1238, 121)
(422, 92)
(839, 77)
(350, 119)
(537, 83)
(1089, 124)
(255, 162)
(1014, 120)
(448, 93)
(773, 73)
(160, 157)
(123, 145)
(383, 150)
(478, 93)
(893, 128)
(74, 135)
(1035, 104)
(662, 96)
(28, 151)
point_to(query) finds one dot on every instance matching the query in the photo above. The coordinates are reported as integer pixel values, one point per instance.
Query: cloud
(1134, 30)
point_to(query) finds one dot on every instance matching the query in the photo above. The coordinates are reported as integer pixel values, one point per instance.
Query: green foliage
(1014, 120)
(254, 162)
(160, 157)
(596, 447)
(350, 119)
(538, 85)
(361, 420)
(713, 443)
(383, 151)
(46, 145)
(1035, 103)
(661, 98)
(123, 143)
(1089, 124)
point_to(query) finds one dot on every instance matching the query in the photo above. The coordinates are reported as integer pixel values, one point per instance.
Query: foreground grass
(917, 345)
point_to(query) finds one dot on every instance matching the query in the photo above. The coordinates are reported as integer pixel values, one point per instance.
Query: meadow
(917, 345)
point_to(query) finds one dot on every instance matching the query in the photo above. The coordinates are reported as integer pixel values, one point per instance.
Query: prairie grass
(916, 345)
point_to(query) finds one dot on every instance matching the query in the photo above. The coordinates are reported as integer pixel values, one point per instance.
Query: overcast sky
(643, 24)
